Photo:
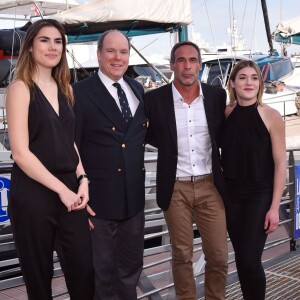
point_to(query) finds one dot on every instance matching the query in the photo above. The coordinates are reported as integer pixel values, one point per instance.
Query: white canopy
(28, 8)
(160, 11)
(288, 27)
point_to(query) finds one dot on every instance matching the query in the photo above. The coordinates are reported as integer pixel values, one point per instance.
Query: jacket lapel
(134, 89)
(207, 105)
(169, 109)
(101, 97)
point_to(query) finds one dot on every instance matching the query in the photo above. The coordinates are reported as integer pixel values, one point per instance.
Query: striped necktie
(123, 102)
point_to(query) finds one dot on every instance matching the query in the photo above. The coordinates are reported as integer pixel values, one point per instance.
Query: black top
(51, 136)
(246, 148)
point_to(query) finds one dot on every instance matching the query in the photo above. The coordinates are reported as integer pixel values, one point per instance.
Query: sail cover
(288, 31)
(133, 17)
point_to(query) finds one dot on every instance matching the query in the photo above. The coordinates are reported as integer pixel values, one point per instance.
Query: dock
(281, 256)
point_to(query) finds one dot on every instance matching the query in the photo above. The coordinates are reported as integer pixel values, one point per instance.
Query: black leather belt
(195, 178)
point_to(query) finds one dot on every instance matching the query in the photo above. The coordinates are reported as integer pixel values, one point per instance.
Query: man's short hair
(184, 43)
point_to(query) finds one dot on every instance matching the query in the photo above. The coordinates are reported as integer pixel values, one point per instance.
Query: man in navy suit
(111, 141)
(185, 122)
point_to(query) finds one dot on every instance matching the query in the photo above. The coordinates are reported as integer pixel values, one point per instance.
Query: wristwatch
(80, 177)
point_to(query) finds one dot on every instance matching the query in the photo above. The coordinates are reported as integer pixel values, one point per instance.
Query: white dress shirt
(132, 99)
(194, 143)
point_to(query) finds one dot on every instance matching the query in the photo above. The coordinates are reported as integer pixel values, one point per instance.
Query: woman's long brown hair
(26, 66)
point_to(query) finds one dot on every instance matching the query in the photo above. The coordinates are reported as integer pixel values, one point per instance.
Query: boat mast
(267, 25)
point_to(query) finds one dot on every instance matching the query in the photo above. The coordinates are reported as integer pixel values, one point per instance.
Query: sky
(212, 18)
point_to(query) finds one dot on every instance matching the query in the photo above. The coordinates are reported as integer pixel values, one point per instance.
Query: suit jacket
(162, 134)
(111, 153)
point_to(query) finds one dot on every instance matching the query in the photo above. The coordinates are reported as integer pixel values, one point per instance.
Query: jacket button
(123, 146)
(119, 170)
(113, 129)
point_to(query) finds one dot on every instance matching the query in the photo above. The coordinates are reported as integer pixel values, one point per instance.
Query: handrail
(157, 259)
(286, 221)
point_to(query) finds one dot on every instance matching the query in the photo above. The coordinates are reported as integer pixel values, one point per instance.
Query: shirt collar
(107, 81)
(177, 96)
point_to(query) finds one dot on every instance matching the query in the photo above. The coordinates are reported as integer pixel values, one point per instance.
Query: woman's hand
(271, 220)
(83, 193)
(69, 199)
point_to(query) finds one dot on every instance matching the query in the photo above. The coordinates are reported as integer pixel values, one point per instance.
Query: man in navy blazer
(185, 123)
(112, 152)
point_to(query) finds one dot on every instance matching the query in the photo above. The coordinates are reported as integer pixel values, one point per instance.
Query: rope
(12, 48)
(213, 37)
(253, 32)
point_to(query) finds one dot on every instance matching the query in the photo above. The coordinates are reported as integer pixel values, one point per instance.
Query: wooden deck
(283, 282)
(19, 293)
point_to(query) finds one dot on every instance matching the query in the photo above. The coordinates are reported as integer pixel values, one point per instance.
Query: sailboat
(287, 33)
(84, 23)
(282, 79)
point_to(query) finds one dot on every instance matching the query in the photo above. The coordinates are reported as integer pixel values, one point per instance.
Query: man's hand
(91, 213)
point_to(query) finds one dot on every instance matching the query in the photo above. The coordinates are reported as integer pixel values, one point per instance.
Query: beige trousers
(201, 202)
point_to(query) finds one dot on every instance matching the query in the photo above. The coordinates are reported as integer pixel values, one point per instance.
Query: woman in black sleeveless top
(46, 203)
(253, 161)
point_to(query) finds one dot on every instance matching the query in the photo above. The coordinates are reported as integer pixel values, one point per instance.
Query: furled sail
(288, 31)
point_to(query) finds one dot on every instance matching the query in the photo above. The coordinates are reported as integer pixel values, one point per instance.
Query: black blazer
(111, 153)
(162, 134)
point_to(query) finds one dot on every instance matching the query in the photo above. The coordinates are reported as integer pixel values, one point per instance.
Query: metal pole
(165, 78)
(183, 33)
(292, 178)
(267, 26)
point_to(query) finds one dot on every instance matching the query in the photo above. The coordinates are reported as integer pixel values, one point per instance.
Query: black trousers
(248, 203)
(39, 219)
(118, 257)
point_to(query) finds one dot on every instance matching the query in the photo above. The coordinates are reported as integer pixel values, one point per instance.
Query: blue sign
(4, 196)
(297, 204)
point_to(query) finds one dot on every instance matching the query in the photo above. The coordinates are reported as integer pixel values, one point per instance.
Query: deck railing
(156, 281)
(151, 285)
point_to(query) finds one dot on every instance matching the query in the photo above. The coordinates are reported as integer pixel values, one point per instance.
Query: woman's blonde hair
(239, 66)
(26, 66)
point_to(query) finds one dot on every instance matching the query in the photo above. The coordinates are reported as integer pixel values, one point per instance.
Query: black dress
(248, 169)
(39, 218)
